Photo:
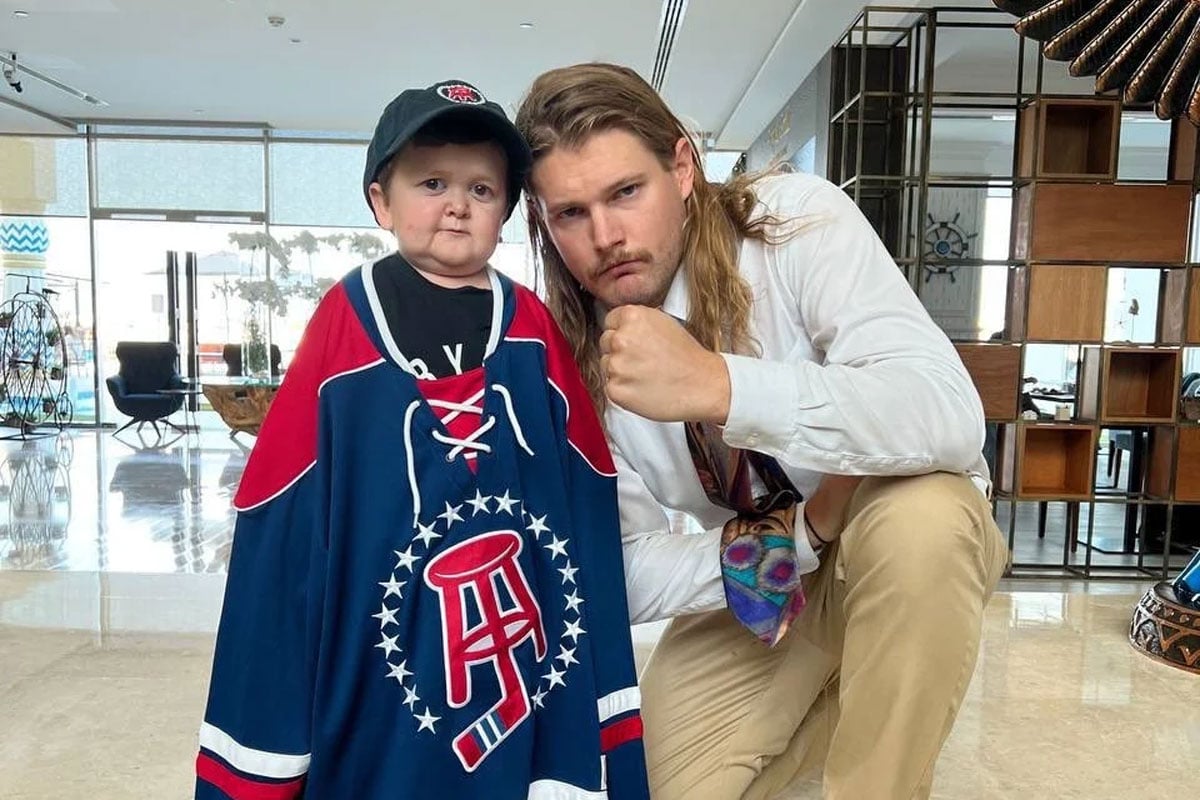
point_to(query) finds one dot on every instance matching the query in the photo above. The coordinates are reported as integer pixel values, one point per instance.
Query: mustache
(621, 256)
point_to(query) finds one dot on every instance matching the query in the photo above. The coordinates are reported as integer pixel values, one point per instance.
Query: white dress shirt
(853, 378)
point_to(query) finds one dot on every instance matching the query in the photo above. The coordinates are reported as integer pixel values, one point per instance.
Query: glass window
(42, 175)
(719, 164)
(317, 257)
(964, 225)
(179, 175)
(1131, 314)
(972, 142)
(515, 261)
(1145, 147)
(514, 255)
(318, 184)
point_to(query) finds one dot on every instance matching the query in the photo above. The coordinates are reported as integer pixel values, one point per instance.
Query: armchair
(146, 369)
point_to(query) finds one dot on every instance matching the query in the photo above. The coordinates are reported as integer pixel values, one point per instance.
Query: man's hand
(653, 367)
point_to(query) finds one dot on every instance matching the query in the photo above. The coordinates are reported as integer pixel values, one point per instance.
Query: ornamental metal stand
(33, 360)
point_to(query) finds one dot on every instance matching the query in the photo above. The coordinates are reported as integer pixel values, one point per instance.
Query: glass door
(134, 299)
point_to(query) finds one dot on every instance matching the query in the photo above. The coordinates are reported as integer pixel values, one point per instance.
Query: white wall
(798, 134)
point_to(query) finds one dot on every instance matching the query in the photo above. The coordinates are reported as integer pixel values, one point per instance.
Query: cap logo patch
(461, 93)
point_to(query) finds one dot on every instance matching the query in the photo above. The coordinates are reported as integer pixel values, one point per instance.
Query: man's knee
(916, 531)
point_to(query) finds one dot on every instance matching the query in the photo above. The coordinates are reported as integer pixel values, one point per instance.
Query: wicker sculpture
(1166, 629)
(1147, 49)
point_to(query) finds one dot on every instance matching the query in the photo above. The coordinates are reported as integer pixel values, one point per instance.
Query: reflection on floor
(111, 579)
(91, 501)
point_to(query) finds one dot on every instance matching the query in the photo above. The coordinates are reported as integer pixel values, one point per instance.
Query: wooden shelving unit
(1192, 312)
(1095, 222)
(1174, 468)
(1073, 223)
(1172, 305)
(1187, 468)
(1036, 300)
(996, 371)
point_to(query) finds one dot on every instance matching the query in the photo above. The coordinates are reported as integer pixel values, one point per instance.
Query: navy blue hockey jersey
(426, 593)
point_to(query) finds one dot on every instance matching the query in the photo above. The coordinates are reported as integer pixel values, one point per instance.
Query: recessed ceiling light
(197, 110)
(528, 26)
(295, 41)
(21, 14)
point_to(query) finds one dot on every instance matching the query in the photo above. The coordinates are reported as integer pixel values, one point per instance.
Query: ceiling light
(21, 14)
(295, 41)
(526, 26)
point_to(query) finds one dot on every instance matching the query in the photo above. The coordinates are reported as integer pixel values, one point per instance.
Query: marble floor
(111, 577)
(90, 501)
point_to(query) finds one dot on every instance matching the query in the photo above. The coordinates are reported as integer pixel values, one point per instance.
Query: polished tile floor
(91, 501)
(111, 581)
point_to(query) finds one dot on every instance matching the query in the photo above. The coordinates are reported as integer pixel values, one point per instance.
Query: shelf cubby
(1133, 385)
(1069, 138)
(1050, 461)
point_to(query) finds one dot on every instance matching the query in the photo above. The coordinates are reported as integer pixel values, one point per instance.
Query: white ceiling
(735, 63)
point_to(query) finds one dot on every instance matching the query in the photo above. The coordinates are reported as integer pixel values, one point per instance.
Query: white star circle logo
(409, 564)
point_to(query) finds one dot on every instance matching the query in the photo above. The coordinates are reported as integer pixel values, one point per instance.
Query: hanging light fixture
(8, 62)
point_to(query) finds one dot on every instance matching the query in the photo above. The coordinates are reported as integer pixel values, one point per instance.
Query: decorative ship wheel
(33, 364)
(945, 241)
(1147, 49)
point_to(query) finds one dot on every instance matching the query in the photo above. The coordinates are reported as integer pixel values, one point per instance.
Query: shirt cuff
(806, 558)
(759, 416)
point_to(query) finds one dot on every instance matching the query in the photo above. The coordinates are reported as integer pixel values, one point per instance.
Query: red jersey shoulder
(532, 321)
(334, 343)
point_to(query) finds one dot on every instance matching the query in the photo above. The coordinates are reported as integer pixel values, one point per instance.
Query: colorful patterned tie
(758, 546)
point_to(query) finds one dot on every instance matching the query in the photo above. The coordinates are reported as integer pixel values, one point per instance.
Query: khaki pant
(867, 682)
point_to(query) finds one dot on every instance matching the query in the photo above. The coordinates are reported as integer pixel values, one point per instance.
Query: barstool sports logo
(482, 635)
(461, 93)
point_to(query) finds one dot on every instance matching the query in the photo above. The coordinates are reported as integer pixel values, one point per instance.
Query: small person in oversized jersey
(426, 594)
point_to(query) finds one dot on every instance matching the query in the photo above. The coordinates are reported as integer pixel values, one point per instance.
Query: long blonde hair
(566, 106)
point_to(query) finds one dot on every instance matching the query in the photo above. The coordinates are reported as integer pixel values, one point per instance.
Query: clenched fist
(653, 367)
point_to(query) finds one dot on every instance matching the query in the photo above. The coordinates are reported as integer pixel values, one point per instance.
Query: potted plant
(262, 296)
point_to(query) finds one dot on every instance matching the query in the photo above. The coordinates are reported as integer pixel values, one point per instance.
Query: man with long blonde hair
(752, 344)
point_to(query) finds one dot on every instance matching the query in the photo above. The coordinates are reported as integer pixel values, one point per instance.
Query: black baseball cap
(413, 109)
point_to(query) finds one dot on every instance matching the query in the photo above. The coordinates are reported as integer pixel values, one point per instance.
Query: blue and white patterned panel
(24, 236)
